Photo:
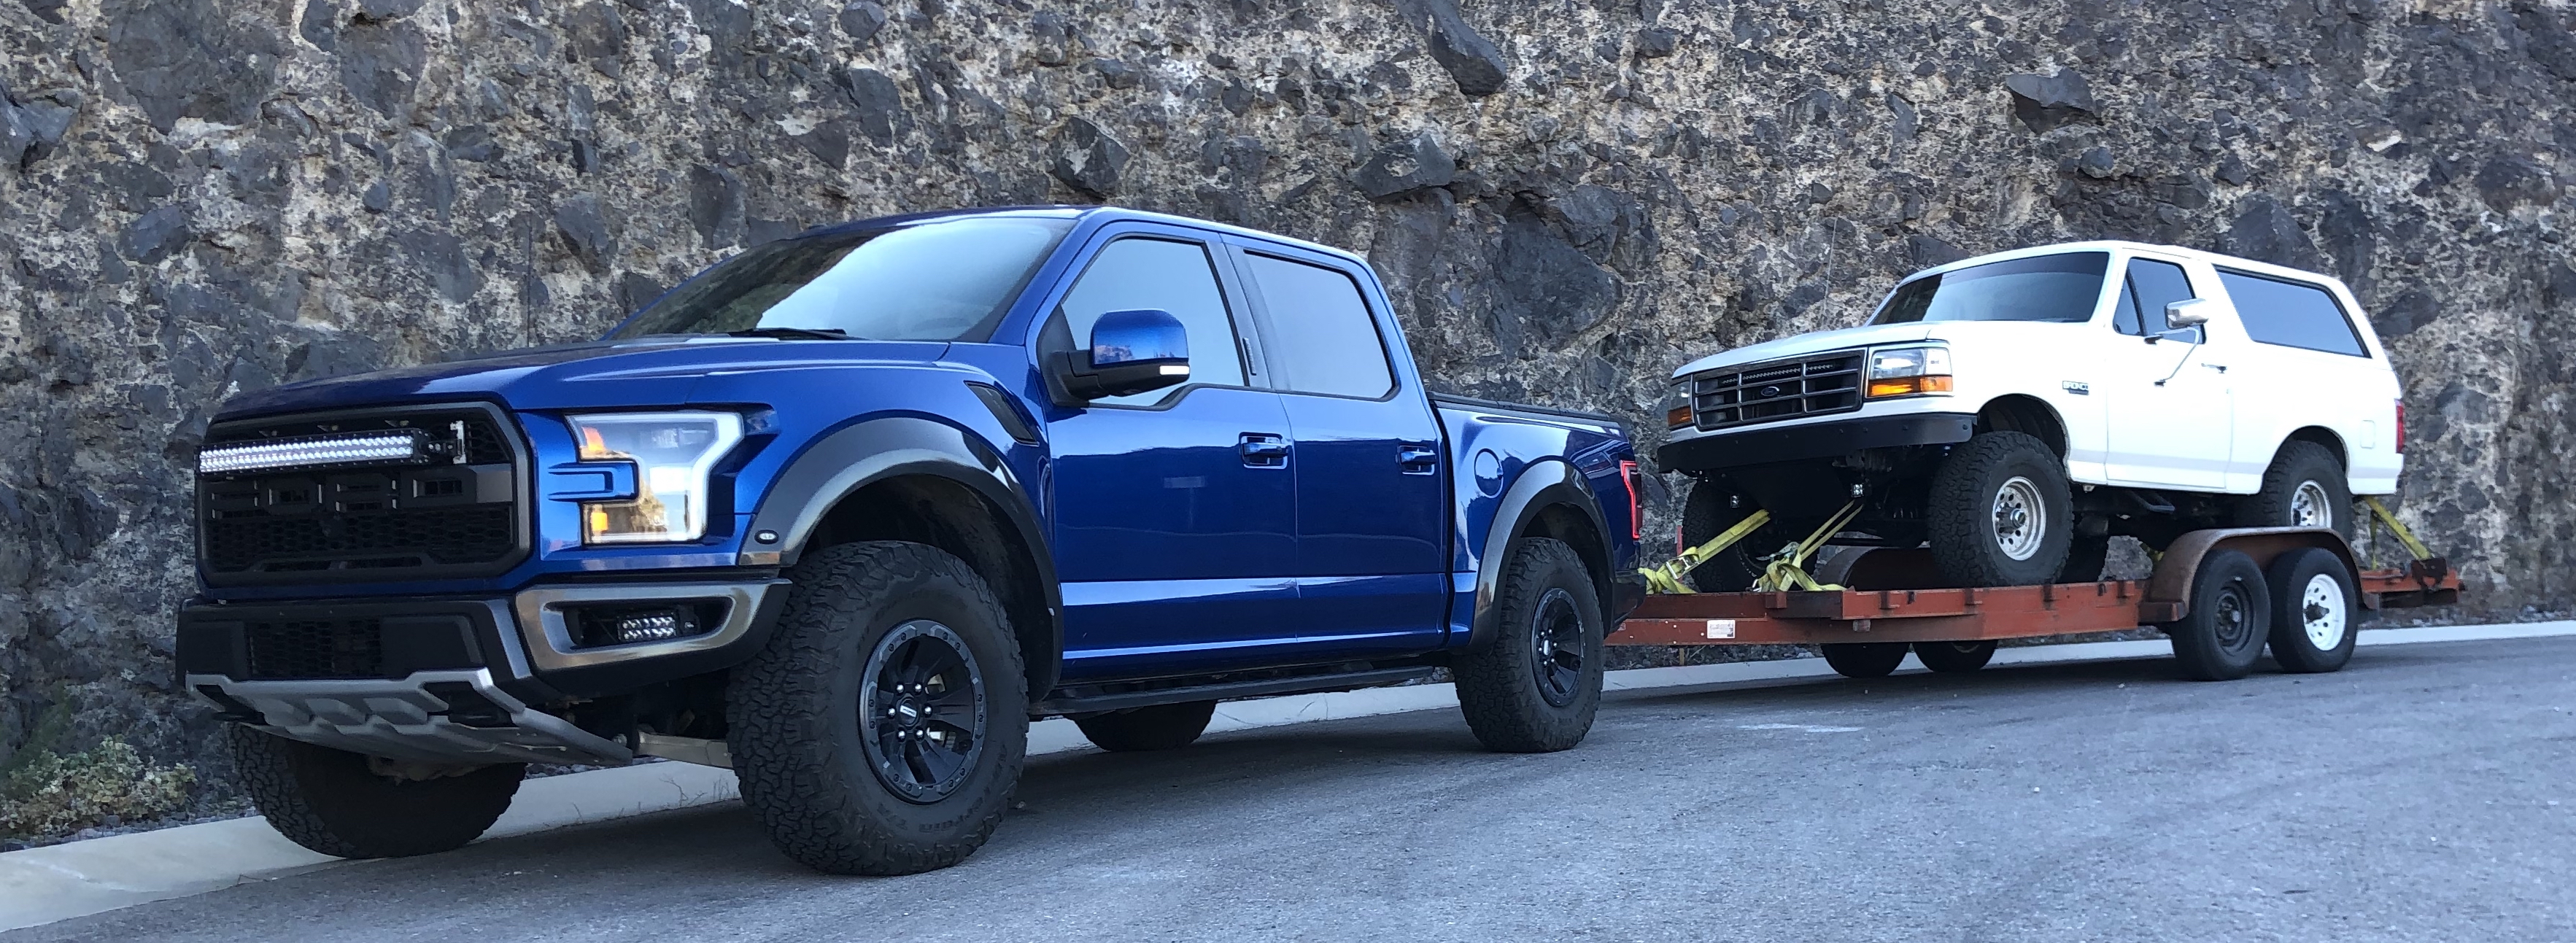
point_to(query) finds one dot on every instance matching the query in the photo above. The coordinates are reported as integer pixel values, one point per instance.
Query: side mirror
(1131, 352)
(2189, 312)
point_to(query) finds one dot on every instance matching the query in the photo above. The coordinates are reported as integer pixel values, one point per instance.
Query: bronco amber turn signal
(1677, 417)
(1909, 386)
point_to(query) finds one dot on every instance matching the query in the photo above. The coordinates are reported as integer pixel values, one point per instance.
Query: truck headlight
(1677, 407)
(1909, 371)
(672, 453)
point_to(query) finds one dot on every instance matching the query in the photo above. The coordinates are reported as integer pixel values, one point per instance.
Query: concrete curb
(59, 882)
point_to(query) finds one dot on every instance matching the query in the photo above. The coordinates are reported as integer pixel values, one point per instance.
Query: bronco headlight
(672, 453)
(1909, 371)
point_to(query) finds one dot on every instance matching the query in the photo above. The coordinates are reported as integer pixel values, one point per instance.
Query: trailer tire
(2304, 487)
(1535, 688)
(1865, 659)
(2313, 604)
(1160, 727)
(2001, 512)
(2222, 634)
(330, 801)
(1954, 657)
(839, 786)
(1708, 512)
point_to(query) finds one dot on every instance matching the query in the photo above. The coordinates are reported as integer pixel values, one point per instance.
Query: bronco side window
(2151, 286)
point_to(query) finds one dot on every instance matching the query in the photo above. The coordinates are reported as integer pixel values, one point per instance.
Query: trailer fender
(2168, 592)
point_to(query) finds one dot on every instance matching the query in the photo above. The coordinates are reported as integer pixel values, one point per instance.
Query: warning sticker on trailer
(1721, 628)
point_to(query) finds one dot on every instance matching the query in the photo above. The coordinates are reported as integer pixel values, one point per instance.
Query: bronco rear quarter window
(2291, 314)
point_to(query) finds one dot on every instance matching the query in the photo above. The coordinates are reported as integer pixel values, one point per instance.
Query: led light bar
(370, 448)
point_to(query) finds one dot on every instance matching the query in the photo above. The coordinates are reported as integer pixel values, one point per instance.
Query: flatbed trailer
(2219, 593)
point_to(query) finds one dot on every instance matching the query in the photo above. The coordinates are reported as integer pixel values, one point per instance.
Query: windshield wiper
(795, 333)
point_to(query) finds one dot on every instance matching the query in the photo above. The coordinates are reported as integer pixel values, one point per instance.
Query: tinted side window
(2291, 314)
(1172, 276)
(2157, 284)
(1322, 339)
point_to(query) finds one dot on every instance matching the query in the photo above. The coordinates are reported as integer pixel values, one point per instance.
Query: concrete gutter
(59, 882)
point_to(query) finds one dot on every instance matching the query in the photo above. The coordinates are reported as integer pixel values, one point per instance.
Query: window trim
(1256, 375)
(1241, 253)
(2358, 340)
(2189, 280)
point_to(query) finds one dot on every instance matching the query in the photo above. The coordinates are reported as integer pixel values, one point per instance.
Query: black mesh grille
(457, 516)
(353, 648)
(1828, 383)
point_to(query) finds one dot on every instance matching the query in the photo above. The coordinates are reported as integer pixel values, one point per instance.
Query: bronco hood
(1809, 343)
(644, 372)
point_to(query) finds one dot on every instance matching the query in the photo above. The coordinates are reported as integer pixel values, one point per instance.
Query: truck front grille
(461, 515)
(1769, 392)
(298, 651)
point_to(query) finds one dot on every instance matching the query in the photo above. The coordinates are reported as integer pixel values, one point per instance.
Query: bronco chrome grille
(457, 512)
(1769, 392)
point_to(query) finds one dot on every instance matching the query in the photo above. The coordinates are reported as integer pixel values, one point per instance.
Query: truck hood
(645, 372)
(1814, 342)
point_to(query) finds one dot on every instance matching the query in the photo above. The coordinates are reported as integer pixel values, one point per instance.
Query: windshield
(938, 281)
(2060, 288)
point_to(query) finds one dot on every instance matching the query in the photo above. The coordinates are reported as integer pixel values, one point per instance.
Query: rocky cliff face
(200, 197)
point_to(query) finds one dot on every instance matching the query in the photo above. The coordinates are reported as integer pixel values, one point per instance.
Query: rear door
(1372, 552)
(1175, 510)
(2167, 400)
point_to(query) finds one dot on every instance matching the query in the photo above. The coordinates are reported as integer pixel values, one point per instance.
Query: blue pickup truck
(848, 511)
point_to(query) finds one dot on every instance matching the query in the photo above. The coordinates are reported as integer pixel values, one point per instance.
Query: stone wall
(199, 197)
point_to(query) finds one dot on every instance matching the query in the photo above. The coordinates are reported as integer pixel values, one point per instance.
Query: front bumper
(455, 679)
(1765, 445)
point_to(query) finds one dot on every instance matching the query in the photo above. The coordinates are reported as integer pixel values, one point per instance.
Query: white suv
(2015, 410)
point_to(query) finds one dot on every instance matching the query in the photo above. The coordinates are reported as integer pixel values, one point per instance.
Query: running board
(1264, 687)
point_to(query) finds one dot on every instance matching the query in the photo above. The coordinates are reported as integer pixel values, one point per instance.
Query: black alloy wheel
(923, 714)
(1556, 635)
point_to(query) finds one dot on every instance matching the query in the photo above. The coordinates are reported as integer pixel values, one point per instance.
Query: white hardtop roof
(2117, 245)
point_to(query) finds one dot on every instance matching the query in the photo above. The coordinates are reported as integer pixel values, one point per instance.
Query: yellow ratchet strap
(1668, 577)
(1786, 570)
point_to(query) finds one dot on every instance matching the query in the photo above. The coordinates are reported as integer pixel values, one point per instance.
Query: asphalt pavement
(2428, 792)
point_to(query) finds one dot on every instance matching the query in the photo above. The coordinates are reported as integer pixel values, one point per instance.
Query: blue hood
(659, 371)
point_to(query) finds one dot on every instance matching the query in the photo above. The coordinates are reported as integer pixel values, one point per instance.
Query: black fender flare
(1541, 485)
(873, 450)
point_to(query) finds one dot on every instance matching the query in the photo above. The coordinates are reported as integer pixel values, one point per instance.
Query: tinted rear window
(1322, 339)
(2291, 314)
(2061, 288)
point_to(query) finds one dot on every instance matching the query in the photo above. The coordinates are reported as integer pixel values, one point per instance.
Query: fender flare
(1541, 485)
(861, 454)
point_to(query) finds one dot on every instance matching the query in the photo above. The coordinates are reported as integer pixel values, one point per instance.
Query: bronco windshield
(2061, 288)
(936, 281)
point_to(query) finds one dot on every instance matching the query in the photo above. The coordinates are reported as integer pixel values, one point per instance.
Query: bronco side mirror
(1131, 352)
(2189, 312)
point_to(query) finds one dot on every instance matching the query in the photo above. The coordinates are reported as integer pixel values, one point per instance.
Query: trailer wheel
(2230, 618)
(1865, 659)
(1710, 510)
(1954, 657)
(2312, 608)
(1535, 688)
(2001, 513)
(1160, 727)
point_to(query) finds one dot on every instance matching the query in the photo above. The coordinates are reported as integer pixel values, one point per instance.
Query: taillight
(1636, 511)
(2401, 427)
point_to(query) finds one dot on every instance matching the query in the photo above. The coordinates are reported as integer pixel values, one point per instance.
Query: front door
(1175, 510)
(1372, 552)
(2166, 393)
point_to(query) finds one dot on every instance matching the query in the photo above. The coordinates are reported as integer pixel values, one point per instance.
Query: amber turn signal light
(1909, 386)
(1677, 417)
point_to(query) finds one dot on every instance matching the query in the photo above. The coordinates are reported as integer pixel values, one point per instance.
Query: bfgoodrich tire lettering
(2001, 514)
(802, 740)
(328, 800)
(2222, 634)
(2313, 606)
(1535, 688)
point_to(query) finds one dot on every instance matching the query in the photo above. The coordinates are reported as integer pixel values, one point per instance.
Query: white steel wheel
(2021, 518)
(2323, 613)
(2311, 507)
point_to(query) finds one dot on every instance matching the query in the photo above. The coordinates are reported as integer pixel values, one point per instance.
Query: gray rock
(1657, 42)
(1088, 159)
(2096, 163)
(50, 11)
(2509, 181)
(1404, 167)
(320, 24)
(1926, 251)
(596, 36)
(2265, 230)
(472, 142)
(378, 197)
(586, 230)
(860, 21)
(442, 258)
(2044, 102)
(187, 59)
(1472, 61)
(878, 103)
(381, 63)
(388, 9)
(156, 235)
(715, 206)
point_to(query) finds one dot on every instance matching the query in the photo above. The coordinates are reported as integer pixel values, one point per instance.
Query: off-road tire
(797, 740)
(2219, 638)
(1499, 686)
(2085, 558)
(2299, 462)
(327, 800)
(1963, 517)
(1160, 727)
(1954, 657)
(2291, 577)
(1706, 514)
(1864, 659)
